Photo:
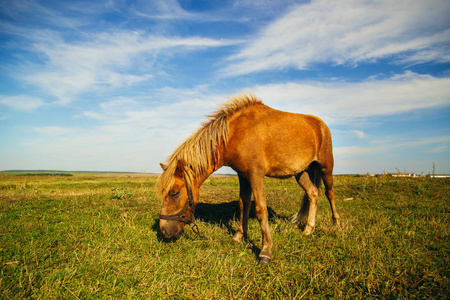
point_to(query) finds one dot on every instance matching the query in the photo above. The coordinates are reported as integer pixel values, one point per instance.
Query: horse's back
(278, 143)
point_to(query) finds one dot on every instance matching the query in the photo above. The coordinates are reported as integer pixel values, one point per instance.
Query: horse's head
(177, 204)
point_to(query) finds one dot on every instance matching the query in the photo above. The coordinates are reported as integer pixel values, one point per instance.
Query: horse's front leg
(262, 215)
(245, 195)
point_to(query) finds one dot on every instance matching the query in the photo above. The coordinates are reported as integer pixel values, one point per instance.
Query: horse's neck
(216, 162)
(202, 177)
(214, 166)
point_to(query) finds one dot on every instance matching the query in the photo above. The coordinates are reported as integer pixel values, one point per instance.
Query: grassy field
(91, 236)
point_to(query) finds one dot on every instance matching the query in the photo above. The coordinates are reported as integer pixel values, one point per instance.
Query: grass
(96, 237)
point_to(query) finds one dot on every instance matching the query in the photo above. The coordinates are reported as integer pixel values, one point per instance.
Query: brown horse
(255, 141)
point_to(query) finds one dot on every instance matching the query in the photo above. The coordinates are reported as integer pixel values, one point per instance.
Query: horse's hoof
(308, 230)
(237, 238)
(264, 260)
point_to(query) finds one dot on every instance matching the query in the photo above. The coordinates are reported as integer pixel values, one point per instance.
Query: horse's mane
(195, 154)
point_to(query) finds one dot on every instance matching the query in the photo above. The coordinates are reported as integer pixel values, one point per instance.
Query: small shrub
(121, 194)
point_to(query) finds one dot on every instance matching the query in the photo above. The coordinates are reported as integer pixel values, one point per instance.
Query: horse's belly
(283, 168)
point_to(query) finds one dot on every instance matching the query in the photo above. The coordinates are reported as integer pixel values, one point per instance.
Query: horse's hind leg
(245, 195)
(312, 193)
(329, 192)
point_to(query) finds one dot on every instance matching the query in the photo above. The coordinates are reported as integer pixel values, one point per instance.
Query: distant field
(96, 237)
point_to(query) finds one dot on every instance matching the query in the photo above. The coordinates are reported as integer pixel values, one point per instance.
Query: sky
(116, 85)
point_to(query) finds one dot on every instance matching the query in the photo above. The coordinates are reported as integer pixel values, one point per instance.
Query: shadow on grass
(159, 234)
(220, 214)
(225, 213)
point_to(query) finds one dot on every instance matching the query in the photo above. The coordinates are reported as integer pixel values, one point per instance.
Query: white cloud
(435, 141)
(106, 60)
(181, 112)
(55, 131)
(405, 152)
(435, 144)
(163, 9)
(439, 149)
(21, 102)
(343, 102)
(31, 11)
(360, 134)
(147, 130)
(215, 11)
(129, 134)
(351, 151)
(348, 32)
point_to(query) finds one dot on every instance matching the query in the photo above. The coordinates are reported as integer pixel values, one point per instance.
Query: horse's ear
(163, 166)
(180, 169)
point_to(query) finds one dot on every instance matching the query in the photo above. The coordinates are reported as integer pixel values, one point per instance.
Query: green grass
(96, 237)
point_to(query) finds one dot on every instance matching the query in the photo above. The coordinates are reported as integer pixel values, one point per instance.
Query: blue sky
(117, 85)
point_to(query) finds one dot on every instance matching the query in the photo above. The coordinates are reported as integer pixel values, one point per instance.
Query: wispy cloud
(395, 151)
(343, 102)
(348, 32)
(360, 134)
(21, 102)
(66, 56)
(129, 126)
(435, 141)
(33, 13)
(163, 9)
(103, 60)
(218, 11)
(56, 131)
(182, 111)
(435, 144)
(352, 151)
(439, 149)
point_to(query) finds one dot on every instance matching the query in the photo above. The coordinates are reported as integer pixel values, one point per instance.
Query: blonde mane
(196, 153)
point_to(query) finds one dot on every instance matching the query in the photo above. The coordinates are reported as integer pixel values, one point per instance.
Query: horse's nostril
(165, 233)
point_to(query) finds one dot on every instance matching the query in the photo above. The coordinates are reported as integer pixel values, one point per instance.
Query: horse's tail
(315, 174)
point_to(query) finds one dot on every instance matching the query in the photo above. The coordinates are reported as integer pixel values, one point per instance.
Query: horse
(255, 141)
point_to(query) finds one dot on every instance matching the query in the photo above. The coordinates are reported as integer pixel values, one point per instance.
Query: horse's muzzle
(170, 229)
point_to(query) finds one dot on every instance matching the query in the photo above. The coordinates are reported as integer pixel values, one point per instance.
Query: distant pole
(434, 167)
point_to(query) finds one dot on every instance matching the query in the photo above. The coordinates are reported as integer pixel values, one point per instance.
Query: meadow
(95, 236)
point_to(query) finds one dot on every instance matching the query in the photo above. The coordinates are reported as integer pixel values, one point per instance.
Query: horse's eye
(175, 194)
